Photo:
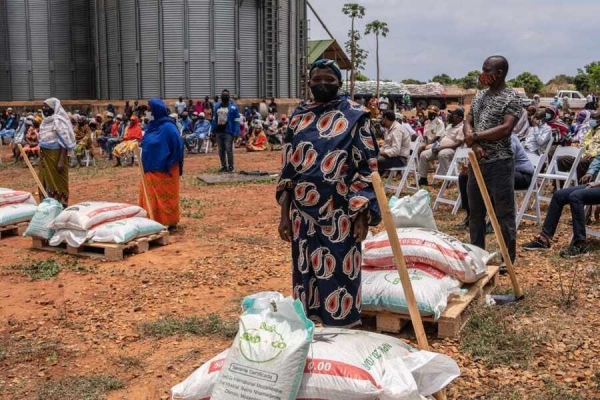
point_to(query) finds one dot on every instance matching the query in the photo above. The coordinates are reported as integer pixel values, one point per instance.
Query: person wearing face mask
(201, 133)
(538, 135)
(395, 150)
(433, 130)
(131, 139)
(83, 137)
(451, 140)
(226, 125)
(257, 141)
(327, 198)
(11, 123)
(581, 126)
(491, 120)
(57, 138)
(591, 148)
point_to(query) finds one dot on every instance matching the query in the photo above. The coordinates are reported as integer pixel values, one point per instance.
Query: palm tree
(353, 10)
(378, 28)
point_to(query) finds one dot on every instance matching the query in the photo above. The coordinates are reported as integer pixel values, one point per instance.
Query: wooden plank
(17, 229)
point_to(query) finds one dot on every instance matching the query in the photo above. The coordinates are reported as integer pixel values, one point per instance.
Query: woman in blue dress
(327, 198)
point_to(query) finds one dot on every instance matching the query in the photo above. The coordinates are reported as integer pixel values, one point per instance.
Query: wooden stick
(138, 154)
(32, 170)
(499, 237)
(413, 309)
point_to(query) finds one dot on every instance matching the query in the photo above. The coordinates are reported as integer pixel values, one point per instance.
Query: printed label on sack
(262, 345)
(98, 211)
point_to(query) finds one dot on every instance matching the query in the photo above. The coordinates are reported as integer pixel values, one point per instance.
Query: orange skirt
(163, 192)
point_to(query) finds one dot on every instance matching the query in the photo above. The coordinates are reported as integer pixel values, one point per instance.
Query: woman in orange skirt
(162, 158)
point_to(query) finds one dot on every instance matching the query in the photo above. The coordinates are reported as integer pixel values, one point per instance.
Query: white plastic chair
(451, 177)
(89, 158)
(553, 174)
(410, 168)
(538, 163)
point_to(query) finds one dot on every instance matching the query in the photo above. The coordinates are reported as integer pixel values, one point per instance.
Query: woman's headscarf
(556, 123)
(327, 64)
(582, 128)
(134, 130)
(162, 144)
(57, 126)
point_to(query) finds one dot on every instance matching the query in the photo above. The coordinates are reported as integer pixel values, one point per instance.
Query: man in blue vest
(226, 125)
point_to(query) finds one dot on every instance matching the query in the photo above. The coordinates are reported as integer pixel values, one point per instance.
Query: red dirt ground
(84, 320)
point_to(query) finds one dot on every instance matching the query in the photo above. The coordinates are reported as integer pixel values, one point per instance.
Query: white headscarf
(57, 130)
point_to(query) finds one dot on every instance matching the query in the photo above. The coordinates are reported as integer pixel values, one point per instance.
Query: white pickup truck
(576, 99)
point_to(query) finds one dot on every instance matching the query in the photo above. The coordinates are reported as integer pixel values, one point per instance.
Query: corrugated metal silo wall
(194, 48)
(46, 45)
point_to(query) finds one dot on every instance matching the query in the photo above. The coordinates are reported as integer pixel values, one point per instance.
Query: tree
(470, 81)
(362, 77)
(582, 82)
(561, 80)
(444, 79)
(378, 28)
(528, 81)
(357, 55)
(412, 82)
(594, 78)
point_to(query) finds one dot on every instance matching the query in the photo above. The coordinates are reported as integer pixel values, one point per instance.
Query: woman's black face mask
(324, 92)
(47, 111)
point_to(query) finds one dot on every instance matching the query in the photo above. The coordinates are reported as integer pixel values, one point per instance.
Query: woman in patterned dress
(327, 198)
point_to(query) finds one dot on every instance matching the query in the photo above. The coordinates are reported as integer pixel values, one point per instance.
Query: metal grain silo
(194, 48)
(47, 49)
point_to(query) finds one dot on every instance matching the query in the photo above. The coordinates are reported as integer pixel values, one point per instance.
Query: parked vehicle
(576, 99)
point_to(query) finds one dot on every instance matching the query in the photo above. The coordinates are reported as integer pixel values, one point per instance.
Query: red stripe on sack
(336, 368)
(387, 262)
(110, 208)
(216, 366)
(113, 219)
(456, 254)
(13, 194)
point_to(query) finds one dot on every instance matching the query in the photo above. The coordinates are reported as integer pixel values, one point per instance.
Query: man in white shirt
(402, 119)
(180, 106)
(384, 103)
(434, 127)
(443, 149)
(395, 150)
(538, 135)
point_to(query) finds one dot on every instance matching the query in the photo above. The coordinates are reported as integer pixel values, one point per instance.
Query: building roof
(328, 48)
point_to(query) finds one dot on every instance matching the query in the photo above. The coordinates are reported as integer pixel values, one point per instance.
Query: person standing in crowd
(56, 140)
(226, 125)
(162, 159)
(131, 140)
(83, 139)
(395, 150)
(180, 106)
(524, 170)
(207, 107)
(273, 106)
(538, 135)
(588, 193)
(11, 123)
(190, 106)
(443, 150)
(198, 108)
(327, 198)
(492, 118)
(384, 102)
(128, 110)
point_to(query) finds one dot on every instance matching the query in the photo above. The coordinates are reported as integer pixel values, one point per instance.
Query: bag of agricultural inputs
(436, 249)
(84, 216)
(347, 364)
(266, 360)
(9, 196)
(124, 230)
(74, 238)
(382, 290)
(45, 214)
(413, 211)
(15, 213)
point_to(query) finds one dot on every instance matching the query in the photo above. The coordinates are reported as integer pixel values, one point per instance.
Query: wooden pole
(138, 154)
(32, 170)
(490, 209)
(413, 309)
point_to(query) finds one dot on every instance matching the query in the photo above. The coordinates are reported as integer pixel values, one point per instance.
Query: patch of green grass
(75, 266)
(30, 351)
(201, 326)
(555, 391)
(36, 270)
(128, 362)
(488, 336)
(79, 387)
(192, 208)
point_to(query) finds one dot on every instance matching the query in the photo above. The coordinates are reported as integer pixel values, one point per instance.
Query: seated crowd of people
(538, 131)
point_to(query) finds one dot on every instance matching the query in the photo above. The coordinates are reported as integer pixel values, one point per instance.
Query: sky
(430, 37)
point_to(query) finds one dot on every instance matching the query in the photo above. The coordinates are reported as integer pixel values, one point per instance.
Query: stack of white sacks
(93, 221)
(438, 264)
(16, 206)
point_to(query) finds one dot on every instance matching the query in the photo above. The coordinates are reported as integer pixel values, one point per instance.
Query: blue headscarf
(162, 145)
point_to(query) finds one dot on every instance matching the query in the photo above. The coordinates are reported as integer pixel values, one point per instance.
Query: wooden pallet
(453, 319)
(14, 229)
(107, 251)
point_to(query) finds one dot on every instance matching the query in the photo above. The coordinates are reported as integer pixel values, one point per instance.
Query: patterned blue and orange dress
(328, 158)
